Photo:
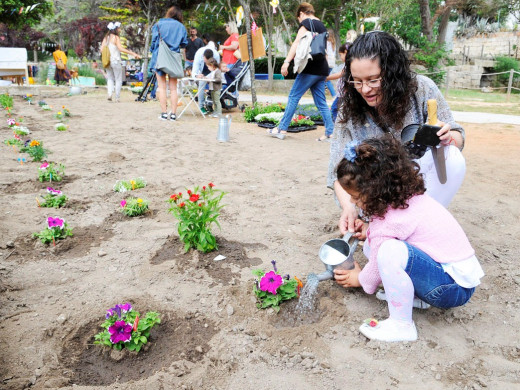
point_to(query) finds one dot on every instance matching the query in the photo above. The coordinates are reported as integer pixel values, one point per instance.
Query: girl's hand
(348, 278)
(360, 227)
(285, 69)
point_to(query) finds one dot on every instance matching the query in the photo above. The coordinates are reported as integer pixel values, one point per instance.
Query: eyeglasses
(370, 83)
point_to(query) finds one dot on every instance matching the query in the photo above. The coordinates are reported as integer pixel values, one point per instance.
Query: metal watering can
(223, 128)
(337, 253)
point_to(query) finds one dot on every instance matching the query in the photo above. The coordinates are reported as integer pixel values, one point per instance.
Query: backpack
(105, 56)
(60, 65)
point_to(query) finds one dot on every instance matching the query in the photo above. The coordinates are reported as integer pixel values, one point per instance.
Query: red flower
(373, 323)
(203, 188)
(211, 185)
(194, 198)
(174, 197)
(180, 194)
(201, 204)
(189, 192)
(182, 205)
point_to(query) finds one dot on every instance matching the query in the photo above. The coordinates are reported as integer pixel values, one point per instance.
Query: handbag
(60, 65)
(105, 56)
(318, 43)
(169, 62)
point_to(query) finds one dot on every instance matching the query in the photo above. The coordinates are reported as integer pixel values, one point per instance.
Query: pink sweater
(425, 224)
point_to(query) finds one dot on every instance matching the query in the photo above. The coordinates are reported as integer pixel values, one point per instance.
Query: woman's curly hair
(398, 83)
(383, 174)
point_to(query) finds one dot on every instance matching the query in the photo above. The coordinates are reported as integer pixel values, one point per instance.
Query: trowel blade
(440, 163)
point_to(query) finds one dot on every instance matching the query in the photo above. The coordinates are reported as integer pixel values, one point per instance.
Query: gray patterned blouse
(418, 113)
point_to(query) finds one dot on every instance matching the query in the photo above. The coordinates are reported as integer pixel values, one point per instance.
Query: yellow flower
(34, 143)
(62, 106)
(59, 112)
(139, 200)
(132, 182)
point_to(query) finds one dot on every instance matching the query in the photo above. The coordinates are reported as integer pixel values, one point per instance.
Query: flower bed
(250, 113)
(298, 123)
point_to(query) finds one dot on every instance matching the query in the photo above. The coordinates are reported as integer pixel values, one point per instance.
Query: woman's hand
(348, 278)
(348, 218)
(444, 133)
(285, 69)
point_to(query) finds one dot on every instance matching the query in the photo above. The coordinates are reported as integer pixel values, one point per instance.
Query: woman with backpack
(312, 76)
(111, 57)
(61, 73)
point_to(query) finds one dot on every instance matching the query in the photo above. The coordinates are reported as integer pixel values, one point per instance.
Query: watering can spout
(327, 275)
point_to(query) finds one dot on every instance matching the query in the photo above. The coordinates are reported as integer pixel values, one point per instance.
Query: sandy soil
(212, 335)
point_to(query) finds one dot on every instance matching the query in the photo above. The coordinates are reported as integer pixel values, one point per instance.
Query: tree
(247, 16)
(20, 13)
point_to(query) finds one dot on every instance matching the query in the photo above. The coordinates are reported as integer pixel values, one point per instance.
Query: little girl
(414, 245)
(215, 86)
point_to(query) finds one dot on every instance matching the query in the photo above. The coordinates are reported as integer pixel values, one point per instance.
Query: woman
(114, 72)
(311, 77)
(230, 45)
(61, 61)
(171, 30)
(382, 95)
(331, 59)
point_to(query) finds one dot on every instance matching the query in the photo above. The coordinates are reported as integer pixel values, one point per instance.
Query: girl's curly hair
(398, 83)
(383, 174)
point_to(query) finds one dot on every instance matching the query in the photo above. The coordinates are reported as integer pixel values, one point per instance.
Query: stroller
(235, 77)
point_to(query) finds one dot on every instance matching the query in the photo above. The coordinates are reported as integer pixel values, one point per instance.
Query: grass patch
(476, 101)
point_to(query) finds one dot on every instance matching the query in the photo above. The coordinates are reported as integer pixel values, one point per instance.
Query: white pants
(455, 171)
(114, 79)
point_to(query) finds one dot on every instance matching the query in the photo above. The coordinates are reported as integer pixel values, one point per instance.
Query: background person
(114, 72)
(230, 45)
(194, 44)
(339, 86)
(174, 34)
(382, 95)
(60, 74)
(331, 59)
(200, 69)
(311, 77)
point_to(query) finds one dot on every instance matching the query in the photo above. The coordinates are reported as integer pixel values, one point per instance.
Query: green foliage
(195, 215)
(261, 67)
(432, 55)
(309, 110)
(56, 201)
(132, 207)
(140, 336)
(49, 235)
(87, 71)
(35, 150)
(10, 12)
(6, 100)
(14, 141)
(133, 184)
(251, 112)
(265, 299)
(51, 172)
(505, 64)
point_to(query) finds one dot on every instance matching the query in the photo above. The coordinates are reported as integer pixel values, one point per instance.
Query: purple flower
(52, 191)
(287, 277)
(55, 222)
(120, 331)
(110, 313)
(119, 310)
(350, 150)
(10, 122)
(270, 282)
(126, 307)
(27, 142)
(273, 262)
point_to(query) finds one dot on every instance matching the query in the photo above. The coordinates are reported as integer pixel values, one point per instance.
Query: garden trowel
(417, 138)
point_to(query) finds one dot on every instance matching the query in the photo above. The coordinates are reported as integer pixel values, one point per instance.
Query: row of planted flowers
(196, 211)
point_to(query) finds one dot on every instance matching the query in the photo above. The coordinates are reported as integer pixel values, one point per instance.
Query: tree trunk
(443, 26)
(247, 12)
(268, 17)
(426, 19)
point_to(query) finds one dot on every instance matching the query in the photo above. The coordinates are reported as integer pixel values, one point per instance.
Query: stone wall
(486, 46)
(468, 76)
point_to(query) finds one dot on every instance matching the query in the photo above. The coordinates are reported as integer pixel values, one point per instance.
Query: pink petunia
(123, 203)
(270, 282)
(45, 165)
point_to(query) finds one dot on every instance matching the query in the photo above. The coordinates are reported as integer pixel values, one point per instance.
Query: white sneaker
(173, 117)
(164, 116)
(417, 303)
(389, 330)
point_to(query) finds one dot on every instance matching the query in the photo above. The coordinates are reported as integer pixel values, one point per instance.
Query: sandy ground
(277, 207)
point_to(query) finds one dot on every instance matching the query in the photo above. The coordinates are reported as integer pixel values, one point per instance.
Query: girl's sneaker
(163, 116)
(173, 117)
(389, 330)
(417, 303)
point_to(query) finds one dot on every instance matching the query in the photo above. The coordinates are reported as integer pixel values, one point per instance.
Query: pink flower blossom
(270, 282)
(55, 222)
(45, 165)
(123, 203)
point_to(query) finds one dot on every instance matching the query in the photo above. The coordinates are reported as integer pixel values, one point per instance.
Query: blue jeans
(334, 109)
(330, 86)
(302, 83)
(431, 283)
